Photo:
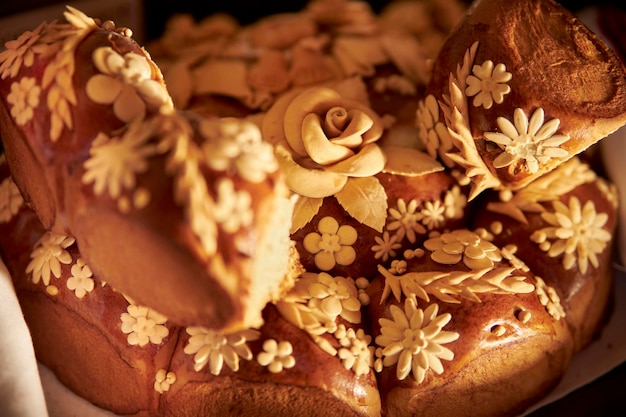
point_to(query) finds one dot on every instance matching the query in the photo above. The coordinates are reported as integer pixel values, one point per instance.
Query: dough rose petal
(317, 145)
(314, 100)
(375, 131)
(369, 161)
(308, 182)
(358, 123)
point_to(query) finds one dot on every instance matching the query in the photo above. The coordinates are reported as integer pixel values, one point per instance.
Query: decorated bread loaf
(63, 84)
(454, 317)
(335, 213)
(100, 154)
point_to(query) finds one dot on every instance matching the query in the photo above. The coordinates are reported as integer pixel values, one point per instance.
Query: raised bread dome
(215, 220)
(473, 311)
(62, 84)
(451, 336)
(97, 149)
(560, 232)
(521, 87)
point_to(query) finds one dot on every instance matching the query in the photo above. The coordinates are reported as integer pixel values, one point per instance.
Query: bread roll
(518, 89)
(562, 226)
(198, 203)
(63, 84)
(493, 316)
(470, 342)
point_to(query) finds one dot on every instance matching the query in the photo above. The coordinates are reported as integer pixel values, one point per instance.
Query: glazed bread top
(96, 148)
(522, 87)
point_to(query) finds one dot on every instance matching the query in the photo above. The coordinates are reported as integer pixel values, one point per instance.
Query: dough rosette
(323, 140)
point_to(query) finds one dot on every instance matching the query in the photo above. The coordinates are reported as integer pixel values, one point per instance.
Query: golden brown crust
(491, 346)
(138, 363)
(318, 384)
(537, 45)
(581, 273)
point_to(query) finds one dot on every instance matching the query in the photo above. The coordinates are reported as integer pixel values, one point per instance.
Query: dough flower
(323, 139)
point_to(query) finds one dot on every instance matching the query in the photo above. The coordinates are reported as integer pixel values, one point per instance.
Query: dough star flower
(433, 214)
(412, 339)
(576, 232)
(530, 141)
(406, 221)
(48, 255)
(216, 349)
(487, 84)
(115, 162)
(386, 246)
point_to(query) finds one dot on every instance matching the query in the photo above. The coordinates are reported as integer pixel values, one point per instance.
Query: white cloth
(21, 393)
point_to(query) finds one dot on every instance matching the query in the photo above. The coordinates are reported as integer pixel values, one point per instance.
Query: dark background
(247, 11)
(157, 11)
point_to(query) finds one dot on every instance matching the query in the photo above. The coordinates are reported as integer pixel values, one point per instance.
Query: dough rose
(323, 139)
